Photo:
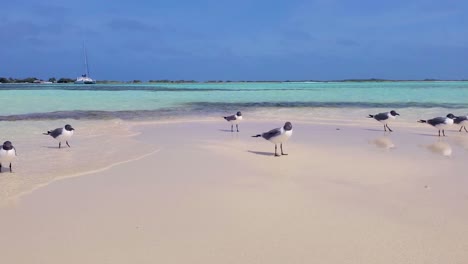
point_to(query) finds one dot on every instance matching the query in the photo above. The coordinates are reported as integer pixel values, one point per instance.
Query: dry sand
(192, 192)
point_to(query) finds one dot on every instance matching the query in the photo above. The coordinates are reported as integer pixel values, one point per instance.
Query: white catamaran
(85, 79)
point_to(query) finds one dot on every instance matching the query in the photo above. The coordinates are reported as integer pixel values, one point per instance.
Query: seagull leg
(384, 128)
(0, 168)
(443, 132)
(60, 144)
(460, 129)
(276, 152)
(389, 128)
(232, 128)
(465, 128)
(237, 127)
(68, 144)
(10, 168)
(282, 150)
(439, 133)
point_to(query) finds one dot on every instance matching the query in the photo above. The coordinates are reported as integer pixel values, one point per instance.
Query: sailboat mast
(86, 60)
(84, 78)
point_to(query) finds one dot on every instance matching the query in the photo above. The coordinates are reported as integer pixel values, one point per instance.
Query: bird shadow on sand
(226, 130)
(262, 153)
(430, 135)
(375, 130)
(50, 147)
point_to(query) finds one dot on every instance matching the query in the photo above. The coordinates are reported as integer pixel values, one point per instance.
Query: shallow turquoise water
(82, 101)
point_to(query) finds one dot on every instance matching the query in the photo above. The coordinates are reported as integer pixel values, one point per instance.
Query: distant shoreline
(33, 80)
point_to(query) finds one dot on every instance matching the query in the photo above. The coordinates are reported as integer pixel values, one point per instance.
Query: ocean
(155, 101)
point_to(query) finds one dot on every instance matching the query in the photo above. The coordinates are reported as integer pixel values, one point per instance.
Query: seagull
(461, 120)
(61, 134)
(384, 118)
(278, 135)
(440, 123)
(7, 154)
(234, 119)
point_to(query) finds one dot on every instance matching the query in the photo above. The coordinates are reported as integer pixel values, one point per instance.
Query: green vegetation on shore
(35, 80)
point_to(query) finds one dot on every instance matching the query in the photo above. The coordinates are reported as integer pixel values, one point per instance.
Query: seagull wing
(381, 116)
(230, 118)
(272, 133)
(56, 132)
(460, 119)
(436, 121)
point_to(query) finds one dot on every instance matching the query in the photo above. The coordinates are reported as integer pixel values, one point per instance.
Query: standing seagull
(278, 135)
(62, 134)
(234, 119)
(462, 121)
(440, 123)
(7, 154)
(384, 118)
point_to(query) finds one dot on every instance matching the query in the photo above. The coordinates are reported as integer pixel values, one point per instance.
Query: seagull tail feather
(422, 121)
(48, 133)
(225, 117)
(370, 116)
(257, 135)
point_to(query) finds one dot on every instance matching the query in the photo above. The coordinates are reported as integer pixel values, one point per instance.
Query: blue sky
(235, 40)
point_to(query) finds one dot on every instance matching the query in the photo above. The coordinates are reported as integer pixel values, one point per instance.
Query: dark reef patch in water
(214, 109)
(393, 105)
(96, 115)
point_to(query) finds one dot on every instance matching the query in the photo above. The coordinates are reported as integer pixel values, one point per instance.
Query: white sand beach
(193, 192)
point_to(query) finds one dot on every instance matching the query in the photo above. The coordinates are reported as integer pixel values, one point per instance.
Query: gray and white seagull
(234, 119)
(61, 134)
(278, 136)
(7, 154)
(462, 121)
(384, 118)
(440, 123)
